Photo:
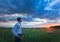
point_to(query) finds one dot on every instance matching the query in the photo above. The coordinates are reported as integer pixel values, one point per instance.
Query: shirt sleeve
(14, 30)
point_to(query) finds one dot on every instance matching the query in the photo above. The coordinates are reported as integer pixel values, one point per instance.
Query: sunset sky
(34, 13)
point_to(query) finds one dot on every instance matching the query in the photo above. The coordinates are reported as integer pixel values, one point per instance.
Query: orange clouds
(48, 25)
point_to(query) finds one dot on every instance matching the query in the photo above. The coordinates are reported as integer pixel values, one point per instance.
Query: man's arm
(14, 30)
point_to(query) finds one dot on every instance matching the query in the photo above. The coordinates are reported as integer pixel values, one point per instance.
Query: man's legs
(17, 39)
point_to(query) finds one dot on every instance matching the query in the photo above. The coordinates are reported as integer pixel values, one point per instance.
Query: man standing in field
(17, 30)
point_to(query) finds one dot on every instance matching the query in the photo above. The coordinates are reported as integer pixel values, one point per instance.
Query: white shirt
(17, 29)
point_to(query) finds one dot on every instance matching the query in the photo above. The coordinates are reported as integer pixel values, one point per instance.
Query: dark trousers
(17, 39)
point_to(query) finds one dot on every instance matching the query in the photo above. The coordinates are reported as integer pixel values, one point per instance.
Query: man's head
(19, 19)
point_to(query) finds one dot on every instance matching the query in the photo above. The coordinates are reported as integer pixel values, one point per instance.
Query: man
(17, 30)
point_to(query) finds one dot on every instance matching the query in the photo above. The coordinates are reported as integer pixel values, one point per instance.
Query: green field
(31, 35)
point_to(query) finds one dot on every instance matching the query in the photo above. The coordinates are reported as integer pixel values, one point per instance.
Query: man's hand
(20, 36)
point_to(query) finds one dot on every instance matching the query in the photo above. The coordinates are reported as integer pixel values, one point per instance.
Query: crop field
(31, 35)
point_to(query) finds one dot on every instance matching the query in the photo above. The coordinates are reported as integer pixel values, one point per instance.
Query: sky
(34, 13)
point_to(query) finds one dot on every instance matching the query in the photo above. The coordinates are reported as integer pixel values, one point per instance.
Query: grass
(31, 35)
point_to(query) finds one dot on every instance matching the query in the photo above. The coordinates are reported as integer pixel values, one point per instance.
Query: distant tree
(56, 27)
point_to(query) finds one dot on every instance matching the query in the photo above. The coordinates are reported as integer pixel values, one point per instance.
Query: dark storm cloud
(11, 6)
(17, 6)
(21, 6)
(32, 7)
(13, 17)
(49, 14)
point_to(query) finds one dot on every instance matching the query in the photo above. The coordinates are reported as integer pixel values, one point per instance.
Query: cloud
(33, 12)
(34, 23)
(7, 24)
(40, 20)
(38, 8)
(11, 6)
(16, 15)
(51, 4)
(13, 17)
